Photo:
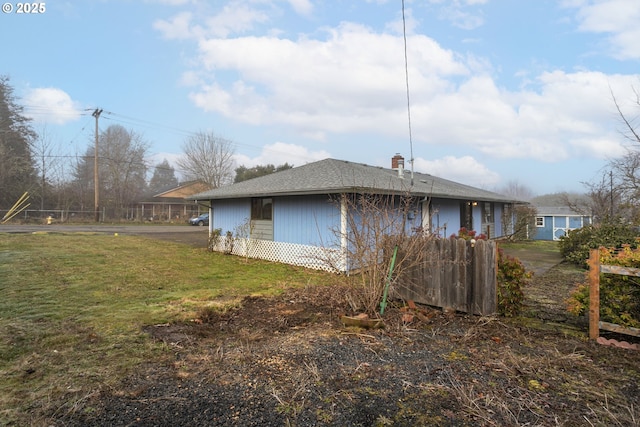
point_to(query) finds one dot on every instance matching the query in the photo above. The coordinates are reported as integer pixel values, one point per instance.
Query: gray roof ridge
(332, 175)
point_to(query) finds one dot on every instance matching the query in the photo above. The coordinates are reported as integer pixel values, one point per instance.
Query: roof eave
(348, 191)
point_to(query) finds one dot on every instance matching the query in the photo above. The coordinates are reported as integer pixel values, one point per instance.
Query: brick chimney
(397, 162)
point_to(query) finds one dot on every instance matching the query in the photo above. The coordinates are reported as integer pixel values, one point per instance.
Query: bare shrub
(375, 226)
(214, 239)
(244, 234)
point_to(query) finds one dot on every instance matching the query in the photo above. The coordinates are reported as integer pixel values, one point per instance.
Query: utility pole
(611, 192)
(96, 113)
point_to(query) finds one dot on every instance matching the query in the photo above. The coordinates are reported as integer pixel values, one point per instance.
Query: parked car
(200, 220)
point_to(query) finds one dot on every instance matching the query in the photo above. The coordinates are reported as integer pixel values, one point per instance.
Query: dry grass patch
(74, 307)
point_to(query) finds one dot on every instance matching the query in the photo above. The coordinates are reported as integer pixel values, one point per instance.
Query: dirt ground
(289, 361)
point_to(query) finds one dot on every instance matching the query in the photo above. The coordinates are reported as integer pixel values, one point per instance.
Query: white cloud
(599, 147)
(400, 25)
(303, 7)
(280, 153)
(178, 28)
(237, 17)
(170, 2)
(461, 13)
(336, 83)
(339, 84)
(542, 123)
(465, 170)
(50, 105)
(618, 18)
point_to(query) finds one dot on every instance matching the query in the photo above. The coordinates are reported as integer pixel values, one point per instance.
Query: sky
(483, 92)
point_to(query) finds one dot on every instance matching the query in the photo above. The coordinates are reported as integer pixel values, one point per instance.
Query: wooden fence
(595, 268)
(455, 274)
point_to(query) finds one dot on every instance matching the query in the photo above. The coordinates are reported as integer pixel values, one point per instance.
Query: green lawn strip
(532, 245)
(73, 308)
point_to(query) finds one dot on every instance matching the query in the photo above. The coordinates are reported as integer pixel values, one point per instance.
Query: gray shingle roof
(557, 211)
(332, 176)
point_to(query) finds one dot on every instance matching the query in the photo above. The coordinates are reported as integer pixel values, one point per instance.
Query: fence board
(623, 271)
(459, 279)
(447, 255)
(456, 276)
(485, 280)
(612, 327)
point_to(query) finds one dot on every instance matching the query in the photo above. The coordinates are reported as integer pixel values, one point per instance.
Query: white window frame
(541, 223)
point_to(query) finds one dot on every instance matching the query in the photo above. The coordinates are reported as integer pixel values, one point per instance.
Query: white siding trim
(343, 233)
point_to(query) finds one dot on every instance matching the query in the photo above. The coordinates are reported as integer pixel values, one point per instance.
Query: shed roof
(557, 211)
(331, 176)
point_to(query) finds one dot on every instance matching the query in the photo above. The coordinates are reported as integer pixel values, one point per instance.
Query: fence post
(594, 294)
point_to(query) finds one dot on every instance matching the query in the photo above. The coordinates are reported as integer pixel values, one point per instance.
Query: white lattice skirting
(288, 253)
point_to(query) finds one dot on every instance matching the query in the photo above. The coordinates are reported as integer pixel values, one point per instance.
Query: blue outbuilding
(555, 222)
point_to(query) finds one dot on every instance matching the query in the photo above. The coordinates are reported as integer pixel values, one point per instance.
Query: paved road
(196, 236)
(124, 229)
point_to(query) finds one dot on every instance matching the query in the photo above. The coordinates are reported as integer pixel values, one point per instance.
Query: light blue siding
(575, 222)
(392, 214)
(557, 226)
(545, 232)
(229, 214)
(315, 220)
(445, 219)
(307, 220)
(477, 218)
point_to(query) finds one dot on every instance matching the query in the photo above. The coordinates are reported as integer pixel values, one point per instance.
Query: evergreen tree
(243, 173)
(164, 178)
(17, 169)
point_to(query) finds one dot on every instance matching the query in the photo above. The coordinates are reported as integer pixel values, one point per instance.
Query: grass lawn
(537, 245)
(73, 307)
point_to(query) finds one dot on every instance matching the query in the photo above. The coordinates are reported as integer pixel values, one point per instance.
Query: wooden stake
(594, 294)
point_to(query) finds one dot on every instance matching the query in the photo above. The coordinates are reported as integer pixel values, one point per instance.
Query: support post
(343, 233)
(594, 294)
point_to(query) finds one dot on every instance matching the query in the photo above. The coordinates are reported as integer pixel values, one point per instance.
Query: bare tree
(208, 158)
(616, 197)
(44, 152)
(604, 199)
(516, 191)
(629, 123)
(122, 169)
(518, 219)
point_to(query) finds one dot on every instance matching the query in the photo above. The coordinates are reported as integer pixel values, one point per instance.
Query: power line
(141, 122)
(137, 122)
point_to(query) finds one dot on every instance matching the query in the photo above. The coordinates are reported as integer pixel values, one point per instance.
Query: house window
(539, 221)
(262, 209)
